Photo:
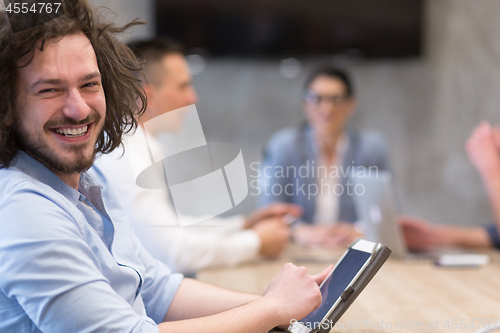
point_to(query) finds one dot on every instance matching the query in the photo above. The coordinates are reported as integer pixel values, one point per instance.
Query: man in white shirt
(168, 87)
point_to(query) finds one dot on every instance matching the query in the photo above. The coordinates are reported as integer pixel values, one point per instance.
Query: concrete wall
(124, 11)
(426, 108)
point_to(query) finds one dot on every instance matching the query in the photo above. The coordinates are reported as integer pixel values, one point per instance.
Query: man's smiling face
(60, 104)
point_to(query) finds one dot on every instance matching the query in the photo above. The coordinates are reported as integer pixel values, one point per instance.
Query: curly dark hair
(116, 62)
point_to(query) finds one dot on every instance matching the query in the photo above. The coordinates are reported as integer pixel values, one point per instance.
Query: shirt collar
(341, 146)
(34, 168)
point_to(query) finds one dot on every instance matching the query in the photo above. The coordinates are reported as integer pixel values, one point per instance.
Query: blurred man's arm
(277, 209)
(270, 225)
(341, 234)
(273, 234)
(422, 235)
(483, 151)
(188, 250)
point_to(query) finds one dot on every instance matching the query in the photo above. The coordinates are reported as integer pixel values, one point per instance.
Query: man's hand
(321, 276)
(421, 234)
(295, 293)
(278, 209)
(483, 149)
(342, 235)
(310, 235)
(274, 234)
(337, 235)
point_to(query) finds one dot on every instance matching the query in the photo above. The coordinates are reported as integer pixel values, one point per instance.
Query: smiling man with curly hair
(69, 260)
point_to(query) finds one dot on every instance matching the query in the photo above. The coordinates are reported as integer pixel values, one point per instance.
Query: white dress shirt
(155, 222)
(327, 202)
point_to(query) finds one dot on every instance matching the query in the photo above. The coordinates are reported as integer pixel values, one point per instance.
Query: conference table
(404, 296)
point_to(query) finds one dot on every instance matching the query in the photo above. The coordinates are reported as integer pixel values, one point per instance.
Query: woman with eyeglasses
(311, 164)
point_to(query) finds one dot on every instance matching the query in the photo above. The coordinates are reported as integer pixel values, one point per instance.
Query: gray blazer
(281, 179)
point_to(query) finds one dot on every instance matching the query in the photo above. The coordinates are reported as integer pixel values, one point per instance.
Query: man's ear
(150, 91)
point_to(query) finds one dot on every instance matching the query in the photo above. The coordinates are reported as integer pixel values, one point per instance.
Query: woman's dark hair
(116, 62)
(331, 72)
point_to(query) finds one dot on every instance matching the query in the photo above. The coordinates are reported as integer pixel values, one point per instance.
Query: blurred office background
(425, 106)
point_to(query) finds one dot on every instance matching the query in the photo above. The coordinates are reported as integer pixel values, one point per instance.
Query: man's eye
(90, 85)
(48, 90)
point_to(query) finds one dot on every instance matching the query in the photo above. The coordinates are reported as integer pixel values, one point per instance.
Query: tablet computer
(348, 278)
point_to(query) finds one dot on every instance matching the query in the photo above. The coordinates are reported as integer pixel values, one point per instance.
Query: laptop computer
(375, 203)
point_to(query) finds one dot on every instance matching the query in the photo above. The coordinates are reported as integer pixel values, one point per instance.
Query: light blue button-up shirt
(69, 261)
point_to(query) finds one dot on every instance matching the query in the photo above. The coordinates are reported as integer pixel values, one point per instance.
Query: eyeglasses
(313, 98)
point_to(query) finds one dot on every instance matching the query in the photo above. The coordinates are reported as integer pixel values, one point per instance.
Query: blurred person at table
(168, 86)
(310, 164)
(483, 150)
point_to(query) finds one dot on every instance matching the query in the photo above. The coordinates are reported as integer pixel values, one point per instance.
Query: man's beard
(40, 150)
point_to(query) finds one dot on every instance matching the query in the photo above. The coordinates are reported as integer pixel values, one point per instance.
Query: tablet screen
(336, 284)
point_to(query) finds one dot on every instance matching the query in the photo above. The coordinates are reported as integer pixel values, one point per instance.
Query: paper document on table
(463, 260)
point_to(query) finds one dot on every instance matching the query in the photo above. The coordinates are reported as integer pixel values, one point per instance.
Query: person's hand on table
(420, 234)
(342, 235)
(306, 234)
(274, 234)
(336, 235)
(278, 209)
